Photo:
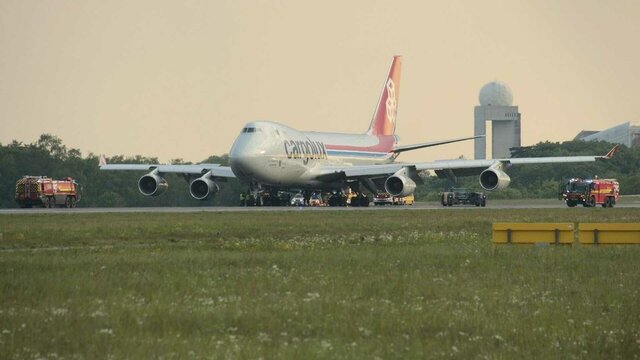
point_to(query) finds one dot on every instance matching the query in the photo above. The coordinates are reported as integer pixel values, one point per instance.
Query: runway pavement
(626, 202)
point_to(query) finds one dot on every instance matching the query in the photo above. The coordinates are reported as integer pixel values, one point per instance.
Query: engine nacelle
(494, 179)
(399, 184)
(202, 187)
(152, 184)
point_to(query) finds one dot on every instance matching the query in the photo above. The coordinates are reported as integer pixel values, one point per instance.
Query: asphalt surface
(628, 202)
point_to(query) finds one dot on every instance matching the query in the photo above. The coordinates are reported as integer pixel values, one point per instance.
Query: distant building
(626, 134)
(496, 105)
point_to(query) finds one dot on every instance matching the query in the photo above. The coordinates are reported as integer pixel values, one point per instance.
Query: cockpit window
(250, 129)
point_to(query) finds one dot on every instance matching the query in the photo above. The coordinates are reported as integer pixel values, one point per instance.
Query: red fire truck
(46, 192)
(590, 193)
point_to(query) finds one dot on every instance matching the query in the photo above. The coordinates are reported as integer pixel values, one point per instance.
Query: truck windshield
(577, 187)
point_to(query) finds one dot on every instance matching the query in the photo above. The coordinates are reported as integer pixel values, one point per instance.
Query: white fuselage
(273, 154)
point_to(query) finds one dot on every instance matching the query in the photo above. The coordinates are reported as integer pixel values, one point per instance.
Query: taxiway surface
(630, 202)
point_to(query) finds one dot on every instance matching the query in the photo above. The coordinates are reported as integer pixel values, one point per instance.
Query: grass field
(304, 284)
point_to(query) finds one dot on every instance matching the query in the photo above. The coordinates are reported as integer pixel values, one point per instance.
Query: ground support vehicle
(383, 198)
(462, 196)
(358, 199)
(42, 191)
(297, 200)
(337, 199)
(316, 199)
(268, 198)
(590, 193)
(404, 200)
(352, 198)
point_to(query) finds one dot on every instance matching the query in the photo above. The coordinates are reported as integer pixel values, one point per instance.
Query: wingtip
(612, 152)
(102, 161)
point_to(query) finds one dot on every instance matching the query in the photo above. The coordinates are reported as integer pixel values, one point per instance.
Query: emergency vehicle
(45, 192)
(589, 192)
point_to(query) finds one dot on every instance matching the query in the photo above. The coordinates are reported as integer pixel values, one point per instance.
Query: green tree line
(48, 156)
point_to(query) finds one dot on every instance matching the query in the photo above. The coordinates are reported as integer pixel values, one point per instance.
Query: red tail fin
(384, 119)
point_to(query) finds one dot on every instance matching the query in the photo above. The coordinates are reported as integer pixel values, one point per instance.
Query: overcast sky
(179, 79)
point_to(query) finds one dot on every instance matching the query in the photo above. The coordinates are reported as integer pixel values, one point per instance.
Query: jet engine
(494, 179)
(399, 184)
(202, 187)
(152, 184)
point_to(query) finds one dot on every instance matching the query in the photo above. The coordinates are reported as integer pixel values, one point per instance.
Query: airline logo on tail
(384, 118)
(391, 103)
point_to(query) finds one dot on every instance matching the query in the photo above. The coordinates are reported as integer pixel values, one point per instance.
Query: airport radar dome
(496, 93)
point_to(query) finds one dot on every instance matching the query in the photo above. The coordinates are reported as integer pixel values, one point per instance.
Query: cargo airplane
(272, 156)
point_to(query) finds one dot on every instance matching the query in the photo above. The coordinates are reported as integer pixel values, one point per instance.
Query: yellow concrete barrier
(533, 233)
(609, 233)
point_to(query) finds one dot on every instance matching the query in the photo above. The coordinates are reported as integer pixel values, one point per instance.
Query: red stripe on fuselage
(385, 144)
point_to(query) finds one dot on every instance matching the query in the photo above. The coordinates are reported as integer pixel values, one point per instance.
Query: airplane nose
(242, 157)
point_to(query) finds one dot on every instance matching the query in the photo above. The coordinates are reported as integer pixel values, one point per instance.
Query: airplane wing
(472, 167)
(217, 170)
(200, 177)
(450, 168)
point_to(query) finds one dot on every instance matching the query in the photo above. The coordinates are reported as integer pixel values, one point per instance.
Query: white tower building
(496, 105)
